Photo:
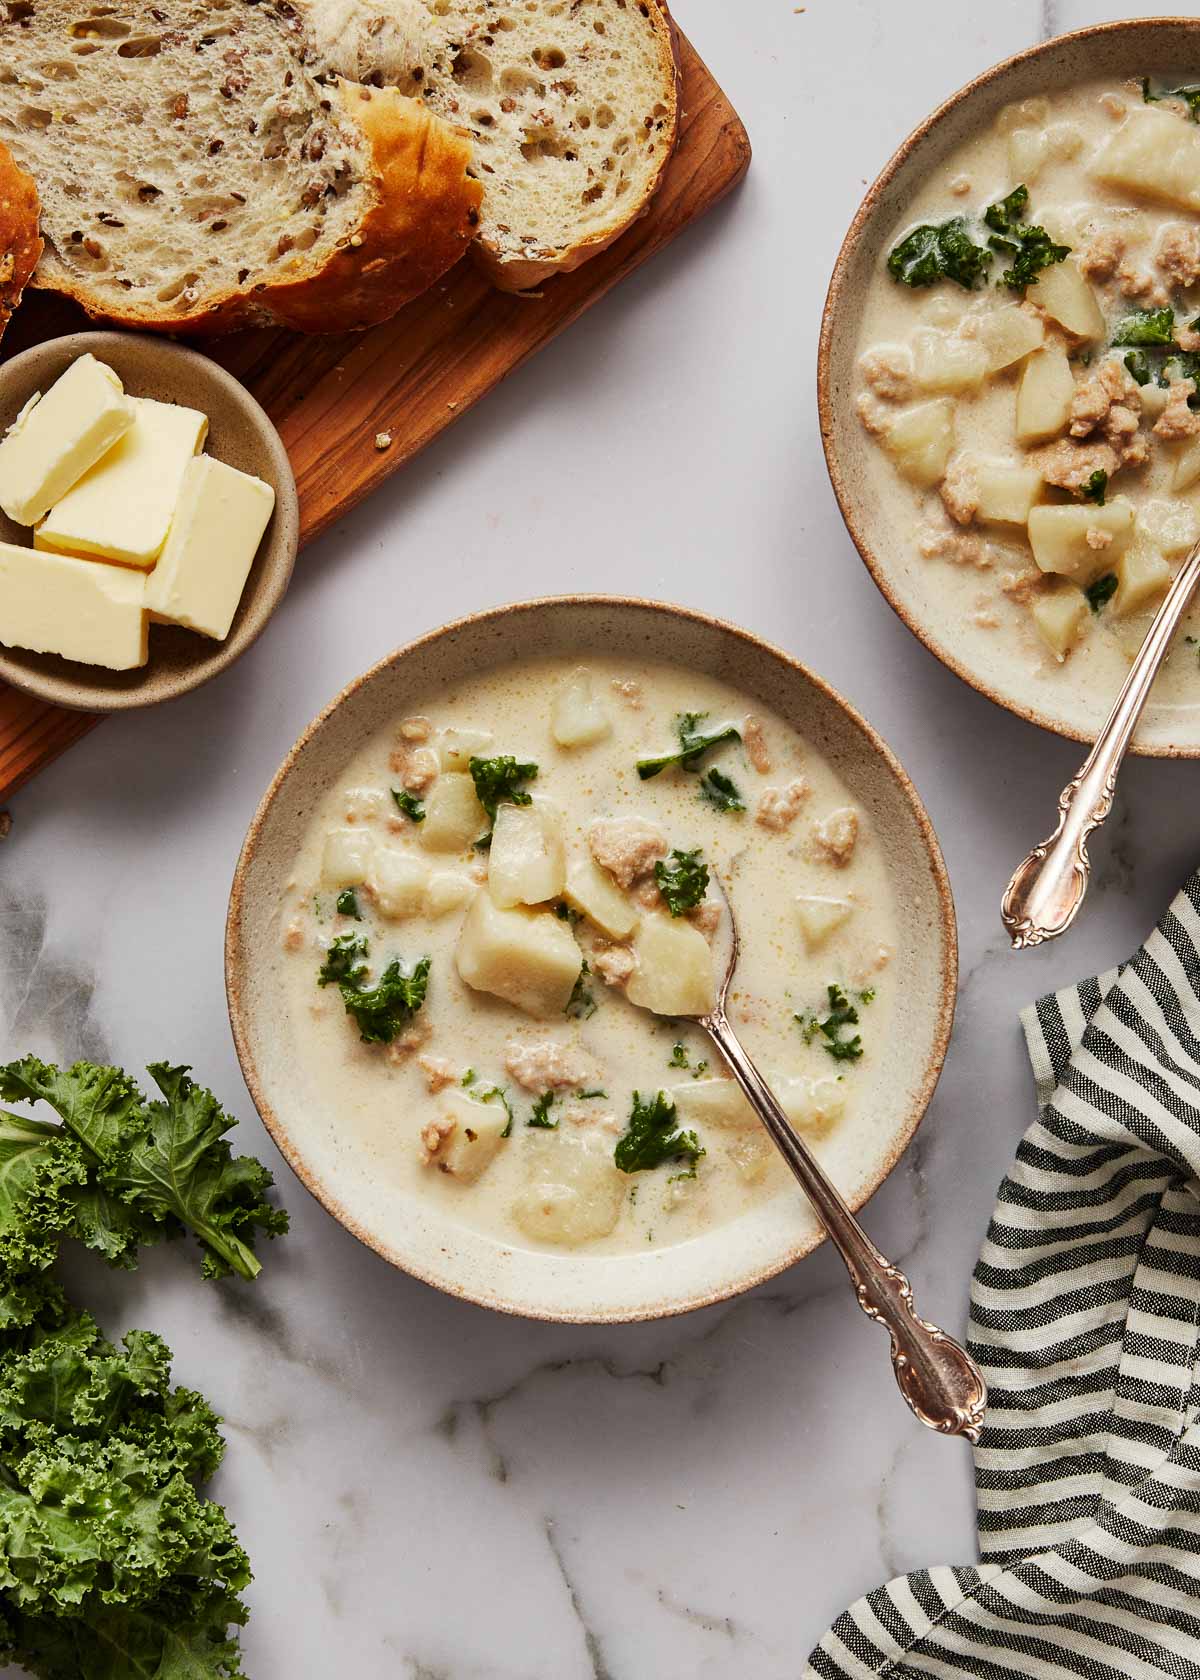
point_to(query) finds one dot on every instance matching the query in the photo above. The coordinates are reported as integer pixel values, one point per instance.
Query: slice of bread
(197, 172)
(573, 105)
(20, 242)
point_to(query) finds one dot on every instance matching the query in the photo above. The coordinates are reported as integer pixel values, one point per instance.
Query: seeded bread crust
(352, 200)
(20, 242)
(574, 110)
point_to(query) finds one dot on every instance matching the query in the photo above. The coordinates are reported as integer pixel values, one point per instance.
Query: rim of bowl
(948, 983)
(825, 405)
(286, 518)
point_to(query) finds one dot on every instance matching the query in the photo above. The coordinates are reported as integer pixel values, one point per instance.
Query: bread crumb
(383, 440)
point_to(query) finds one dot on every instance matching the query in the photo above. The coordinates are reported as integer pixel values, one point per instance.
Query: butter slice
(219, 521)
(56, 438)
(53, 603)
(121, 509)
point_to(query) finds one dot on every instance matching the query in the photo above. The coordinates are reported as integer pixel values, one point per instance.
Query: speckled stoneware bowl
(411, 1232)
(1140, 47)
(240, 434)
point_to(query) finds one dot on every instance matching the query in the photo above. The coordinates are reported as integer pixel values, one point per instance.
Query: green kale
(120, 1172)
(498, 781)
(653, 1136)
(720, 790)
(385, 1009)
(1146, 327)
(1190, 96)
(347, 903)
(408, 802)
(1102, 591)
(1095, 488)
(1137, 364)
(831, 1027)
(679, 1057)
(693, 744)
(944, 251)
(683, 881)
(589, 1096)
(487, 1094)
(541, 1113)
(581, 1005)
(565, 913)
(1028, 249)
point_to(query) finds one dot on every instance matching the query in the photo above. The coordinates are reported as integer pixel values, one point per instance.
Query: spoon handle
(1045, 893)
(940, 1381)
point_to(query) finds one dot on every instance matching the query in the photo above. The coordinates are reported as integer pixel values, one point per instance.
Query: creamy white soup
(497, 919)
(1029, 359)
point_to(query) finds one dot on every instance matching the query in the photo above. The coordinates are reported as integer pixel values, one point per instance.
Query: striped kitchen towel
(1084, 1312)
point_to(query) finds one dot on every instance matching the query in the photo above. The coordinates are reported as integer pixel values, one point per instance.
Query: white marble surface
(430, 1492)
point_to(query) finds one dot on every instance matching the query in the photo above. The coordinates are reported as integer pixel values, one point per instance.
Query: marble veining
(429, 1491)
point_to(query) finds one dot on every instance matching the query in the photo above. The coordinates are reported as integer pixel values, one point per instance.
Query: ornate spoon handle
(1045, 893)
(941, 1382)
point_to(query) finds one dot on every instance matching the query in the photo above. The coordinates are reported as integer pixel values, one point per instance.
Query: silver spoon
(1044, 895)
(940, 1381)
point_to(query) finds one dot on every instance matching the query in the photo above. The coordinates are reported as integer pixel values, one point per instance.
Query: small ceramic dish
(239, 434)
(414, 1232)
(1124, 51)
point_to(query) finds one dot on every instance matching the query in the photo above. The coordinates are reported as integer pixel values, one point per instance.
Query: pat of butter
(121, 509)
(218, 525)
(53, 603)
(56, 438)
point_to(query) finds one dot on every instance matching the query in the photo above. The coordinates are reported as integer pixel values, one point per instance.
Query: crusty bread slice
(20, 242)
(197, 172)
(573, 105)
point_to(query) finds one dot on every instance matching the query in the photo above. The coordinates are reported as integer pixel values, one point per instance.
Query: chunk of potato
(527, 957)
(577, 718)
(1153, 398)
(458, 747)
(1006, 491)
(397, 881)
(1044, 395)
(1059, 614)
(751, 1155)
(1171, 526)
(1028, 149)
(820, 917)
(346, 858)
(593, 892)
(945, 363)
(575, 1190)
(1058, 537)
(527, 863)
(454, 818)
(812, 1105)
(1009, 334)
(1187, 466)
(920, 441)
(674, 973)
(1065, 295)
(1154, 154)
(1142, 575)
(448, 890)
(475, 1141)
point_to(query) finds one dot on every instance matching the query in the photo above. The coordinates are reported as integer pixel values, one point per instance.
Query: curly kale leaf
(1102, 591)
(380, 1011)
(581, 1005)
(693, 744)
(1146, 327)
(832, 1027)
(498, 781)
(1190, 96)
(722, 791)
(120, 1172)
(943, 251)
(683, 881)
(409, 805)
(1096, 487)
(347, 904)
(1028, 249)
(653, 1136)
(540, 1115)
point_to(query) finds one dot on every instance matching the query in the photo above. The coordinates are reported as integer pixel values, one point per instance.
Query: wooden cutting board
(413, 376)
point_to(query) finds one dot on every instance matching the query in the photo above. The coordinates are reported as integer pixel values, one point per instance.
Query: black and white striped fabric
(1084, 1312)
